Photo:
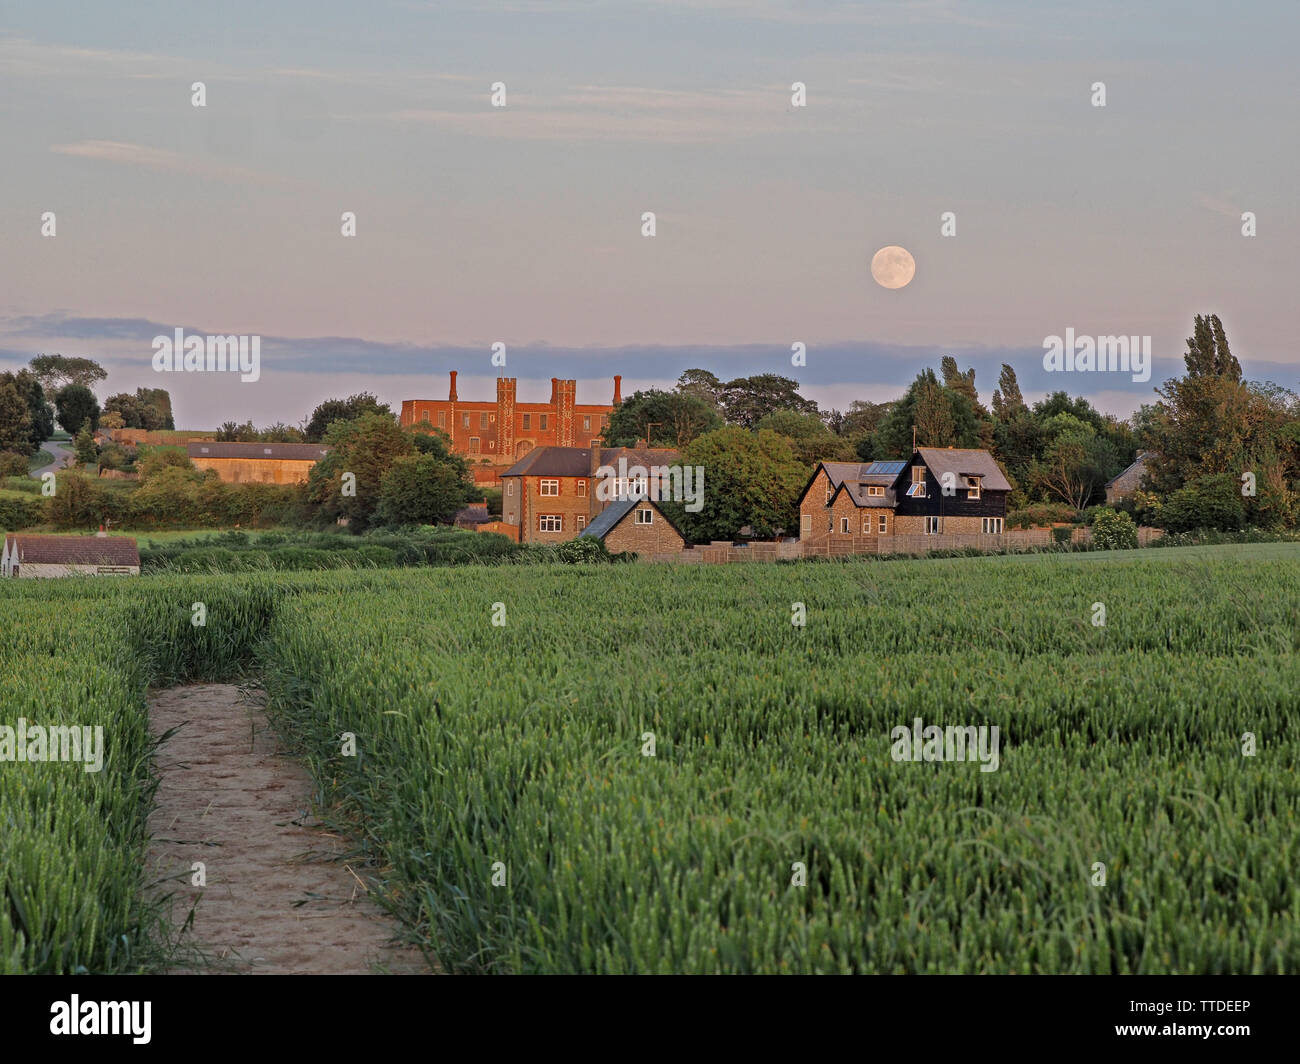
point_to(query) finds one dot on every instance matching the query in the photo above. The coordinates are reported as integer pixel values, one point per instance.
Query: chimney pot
(618, 389)
(451, 395)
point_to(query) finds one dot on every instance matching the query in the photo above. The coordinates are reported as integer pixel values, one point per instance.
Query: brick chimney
(618, 389)
(554, 382)
(451, 395)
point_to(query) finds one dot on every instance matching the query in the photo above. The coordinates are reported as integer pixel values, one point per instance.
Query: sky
(523, 224)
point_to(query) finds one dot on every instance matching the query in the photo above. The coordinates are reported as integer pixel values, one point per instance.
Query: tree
(1007, 400)
(676, 418)
(76, 404)
(750, 479)
(1076, 462)
(155, 460)
(702, 385)
(149, 409)
(15, 418)
(942, 417)
(57, 371)
(747, 400)
(810, 438)
(364, 447)
(420, 490)
(1209, 502)
(111, 420)
(349, 409)
(87, 454)
(1207, 350)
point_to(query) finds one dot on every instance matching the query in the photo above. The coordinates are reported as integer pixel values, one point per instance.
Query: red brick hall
(503, 431)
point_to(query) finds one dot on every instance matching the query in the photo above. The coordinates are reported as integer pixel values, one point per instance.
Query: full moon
(893, 267)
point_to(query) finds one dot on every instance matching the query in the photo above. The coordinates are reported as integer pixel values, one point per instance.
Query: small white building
(49, 556)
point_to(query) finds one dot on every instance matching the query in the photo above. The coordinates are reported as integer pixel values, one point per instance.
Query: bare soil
(281, 897)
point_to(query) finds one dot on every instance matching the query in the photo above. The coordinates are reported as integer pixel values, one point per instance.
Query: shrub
(585, 551)
(1113, 531)
(1208, 502)
(12, 465)
(1062, 535)
(1041, 513)
(20, 511)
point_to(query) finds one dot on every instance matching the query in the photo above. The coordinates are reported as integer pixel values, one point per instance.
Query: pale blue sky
(522, 225)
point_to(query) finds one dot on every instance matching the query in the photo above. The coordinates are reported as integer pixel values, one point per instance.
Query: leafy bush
(1062, 535)
(1212, 502)
(20, 511)
(1113, 531)
(1041, 513)
(12, 465)
(586, 550)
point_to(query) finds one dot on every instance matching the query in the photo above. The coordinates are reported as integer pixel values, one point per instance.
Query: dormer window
(917, 489)
(972, 487)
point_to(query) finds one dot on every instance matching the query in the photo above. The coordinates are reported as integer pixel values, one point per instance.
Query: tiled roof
(294, 452)
(74, 550)
(576, 461)
(609, 517)
(1132, 476)
(962, 462)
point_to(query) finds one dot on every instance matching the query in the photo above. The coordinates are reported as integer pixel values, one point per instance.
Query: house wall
(813, 505)
(527, 503)
(659, 537)
(257, 470)
(935, 503)
(41, 571)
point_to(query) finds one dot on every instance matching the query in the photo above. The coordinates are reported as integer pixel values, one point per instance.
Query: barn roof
(73, 550)
(294, 452)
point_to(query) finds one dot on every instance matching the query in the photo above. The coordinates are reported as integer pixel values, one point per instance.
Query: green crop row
(503, 717)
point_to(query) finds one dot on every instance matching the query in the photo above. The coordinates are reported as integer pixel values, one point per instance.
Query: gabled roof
(857, 493)
(610, 516)
(608, 519)
(963, 462)
(297, 452)
(1138, 466)
(576, 461)
(72, 550)
(881, 473)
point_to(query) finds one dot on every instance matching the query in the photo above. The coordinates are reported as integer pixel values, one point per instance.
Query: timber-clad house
(938, 491)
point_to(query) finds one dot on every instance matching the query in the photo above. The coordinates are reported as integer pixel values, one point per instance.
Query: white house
(47, 556)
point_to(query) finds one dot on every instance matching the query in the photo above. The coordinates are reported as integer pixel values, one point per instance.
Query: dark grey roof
(296, 452)
(858, 493)
(963, 462)
(576, 461)
(1131, 476)
(605, 521)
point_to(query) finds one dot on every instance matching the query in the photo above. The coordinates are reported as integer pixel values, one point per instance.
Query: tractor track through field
(280, 897)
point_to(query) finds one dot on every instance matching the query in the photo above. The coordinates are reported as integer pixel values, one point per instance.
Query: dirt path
(277, 900)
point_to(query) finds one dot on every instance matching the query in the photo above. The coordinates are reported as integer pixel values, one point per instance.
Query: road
(60, 452)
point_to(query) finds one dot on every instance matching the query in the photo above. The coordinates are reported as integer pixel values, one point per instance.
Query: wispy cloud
(164, 161)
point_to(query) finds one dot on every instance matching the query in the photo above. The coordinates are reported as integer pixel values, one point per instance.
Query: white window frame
(931, 525)
(582, 522)
(645, 516)
(992, 526)
(550, 522)
(510, 489)
(586, 423)
(866, 526)
(582, 489)
(542, 486)
(475, 445)
(876, 490)
(844, 526)
(972, 487)
(884, 524)
(464, 421)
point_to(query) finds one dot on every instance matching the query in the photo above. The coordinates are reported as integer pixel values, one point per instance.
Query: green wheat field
(518, 748)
